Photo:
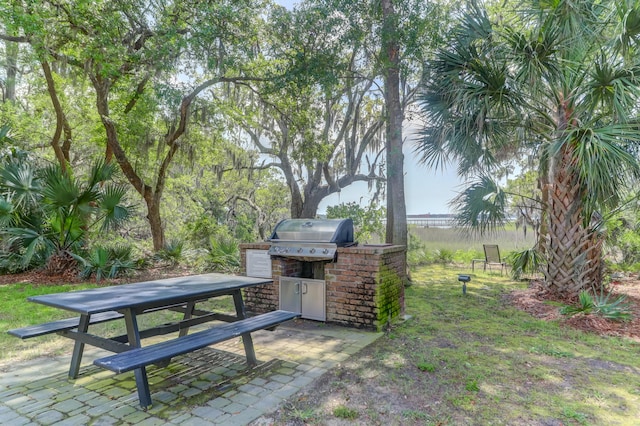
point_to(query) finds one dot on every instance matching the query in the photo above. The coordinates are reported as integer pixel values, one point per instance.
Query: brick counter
(364, 286)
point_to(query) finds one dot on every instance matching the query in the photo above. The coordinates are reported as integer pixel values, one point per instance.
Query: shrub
(416, 258)
(106, 262)
(466, 256)
(629, 244)
(46, 213)
(224, 254)
(602, 304)
(172, 252)
(444, 255)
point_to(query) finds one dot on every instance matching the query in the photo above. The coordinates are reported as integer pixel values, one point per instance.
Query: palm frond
(481, 208)
(100, 172)
(31, 242)
(605, 165)
(58, 189)
(113, 212)
(19, 180)
(7, 217)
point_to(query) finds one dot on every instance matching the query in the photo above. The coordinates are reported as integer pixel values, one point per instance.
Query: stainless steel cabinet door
(313, 299)
(290, 294)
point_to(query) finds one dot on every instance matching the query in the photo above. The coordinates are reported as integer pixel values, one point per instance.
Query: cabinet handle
(298, 288)
(305, 288)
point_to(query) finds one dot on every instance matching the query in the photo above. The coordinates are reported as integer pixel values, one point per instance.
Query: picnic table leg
(188, 314)
(247, 341)
(78, 347)
(142, 382)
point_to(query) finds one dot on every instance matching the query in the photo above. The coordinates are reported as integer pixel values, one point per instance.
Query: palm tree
(45, 214)
(556, 79)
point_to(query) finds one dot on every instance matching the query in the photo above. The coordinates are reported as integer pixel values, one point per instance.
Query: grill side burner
(311, 239)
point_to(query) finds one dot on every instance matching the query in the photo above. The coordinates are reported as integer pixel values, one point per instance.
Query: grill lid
(310, 239)
(337, 231)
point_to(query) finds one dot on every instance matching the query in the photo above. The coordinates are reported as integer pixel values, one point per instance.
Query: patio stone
(212, 386)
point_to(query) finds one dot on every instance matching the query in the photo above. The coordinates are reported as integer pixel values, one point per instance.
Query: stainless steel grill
(311, 239)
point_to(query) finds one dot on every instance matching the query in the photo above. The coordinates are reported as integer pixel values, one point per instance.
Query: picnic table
(128, 301)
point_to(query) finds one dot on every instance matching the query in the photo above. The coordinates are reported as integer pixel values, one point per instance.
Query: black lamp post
(464, 279)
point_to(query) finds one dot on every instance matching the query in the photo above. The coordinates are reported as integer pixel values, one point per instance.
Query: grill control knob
(325, 251)
(300, 250)
(312, 251)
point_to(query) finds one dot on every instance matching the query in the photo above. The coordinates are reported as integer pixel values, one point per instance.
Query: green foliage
(47, 213)
(418, 258)
(172, 252)
(201, 229)
(528, 261)
(444, 256)
(304, 415)
(466, 256)
(554, 84)
(106, 262)
(472, 386)
(629, 245)
(367, 221)
(343, 412)
(224, 254)
(482, 206)
(623, 234)
(10, 262)
(602, 303)
(426, 366)
(417, 253)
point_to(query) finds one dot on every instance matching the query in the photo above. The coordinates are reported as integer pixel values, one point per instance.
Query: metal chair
(491, 258)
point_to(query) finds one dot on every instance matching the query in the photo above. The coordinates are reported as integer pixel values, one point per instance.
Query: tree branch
(16, 39)
(61, 119)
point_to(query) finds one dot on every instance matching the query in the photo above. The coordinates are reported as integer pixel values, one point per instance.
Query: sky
(426, 191)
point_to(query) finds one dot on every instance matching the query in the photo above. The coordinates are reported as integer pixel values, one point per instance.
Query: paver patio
(207, 387)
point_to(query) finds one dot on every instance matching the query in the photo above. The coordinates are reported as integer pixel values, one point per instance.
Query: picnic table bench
(130, 300)
(61, 325)
(137, 359)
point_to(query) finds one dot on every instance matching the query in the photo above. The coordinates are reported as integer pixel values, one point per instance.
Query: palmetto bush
(106, 262)
(600, 303)
(172, 252)
(46, 213)
(224, 254)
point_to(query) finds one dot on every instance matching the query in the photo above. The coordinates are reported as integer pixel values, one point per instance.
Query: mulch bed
(536, 302)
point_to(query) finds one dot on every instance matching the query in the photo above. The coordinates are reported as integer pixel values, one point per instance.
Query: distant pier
(439, 222)
(431, 221)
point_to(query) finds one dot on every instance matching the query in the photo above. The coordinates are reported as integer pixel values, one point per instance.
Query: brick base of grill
(364, 286)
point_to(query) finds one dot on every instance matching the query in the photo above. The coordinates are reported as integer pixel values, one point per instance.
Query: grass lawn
(475, 360)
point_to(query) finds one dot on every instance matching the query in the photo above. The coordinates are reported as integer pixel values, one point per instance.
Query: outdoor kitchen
(319, 271)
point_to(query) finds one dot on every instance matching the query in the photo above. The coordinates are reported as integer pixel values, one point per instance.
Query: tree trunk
(396, 207)
(12, 50)
(151, 197)
(62, 155)
(310, 206)
(155, 224)
(573, 252)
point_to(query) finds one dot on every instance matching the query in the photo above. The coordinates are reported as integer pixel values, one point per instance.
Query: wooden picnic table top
(148, 294)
